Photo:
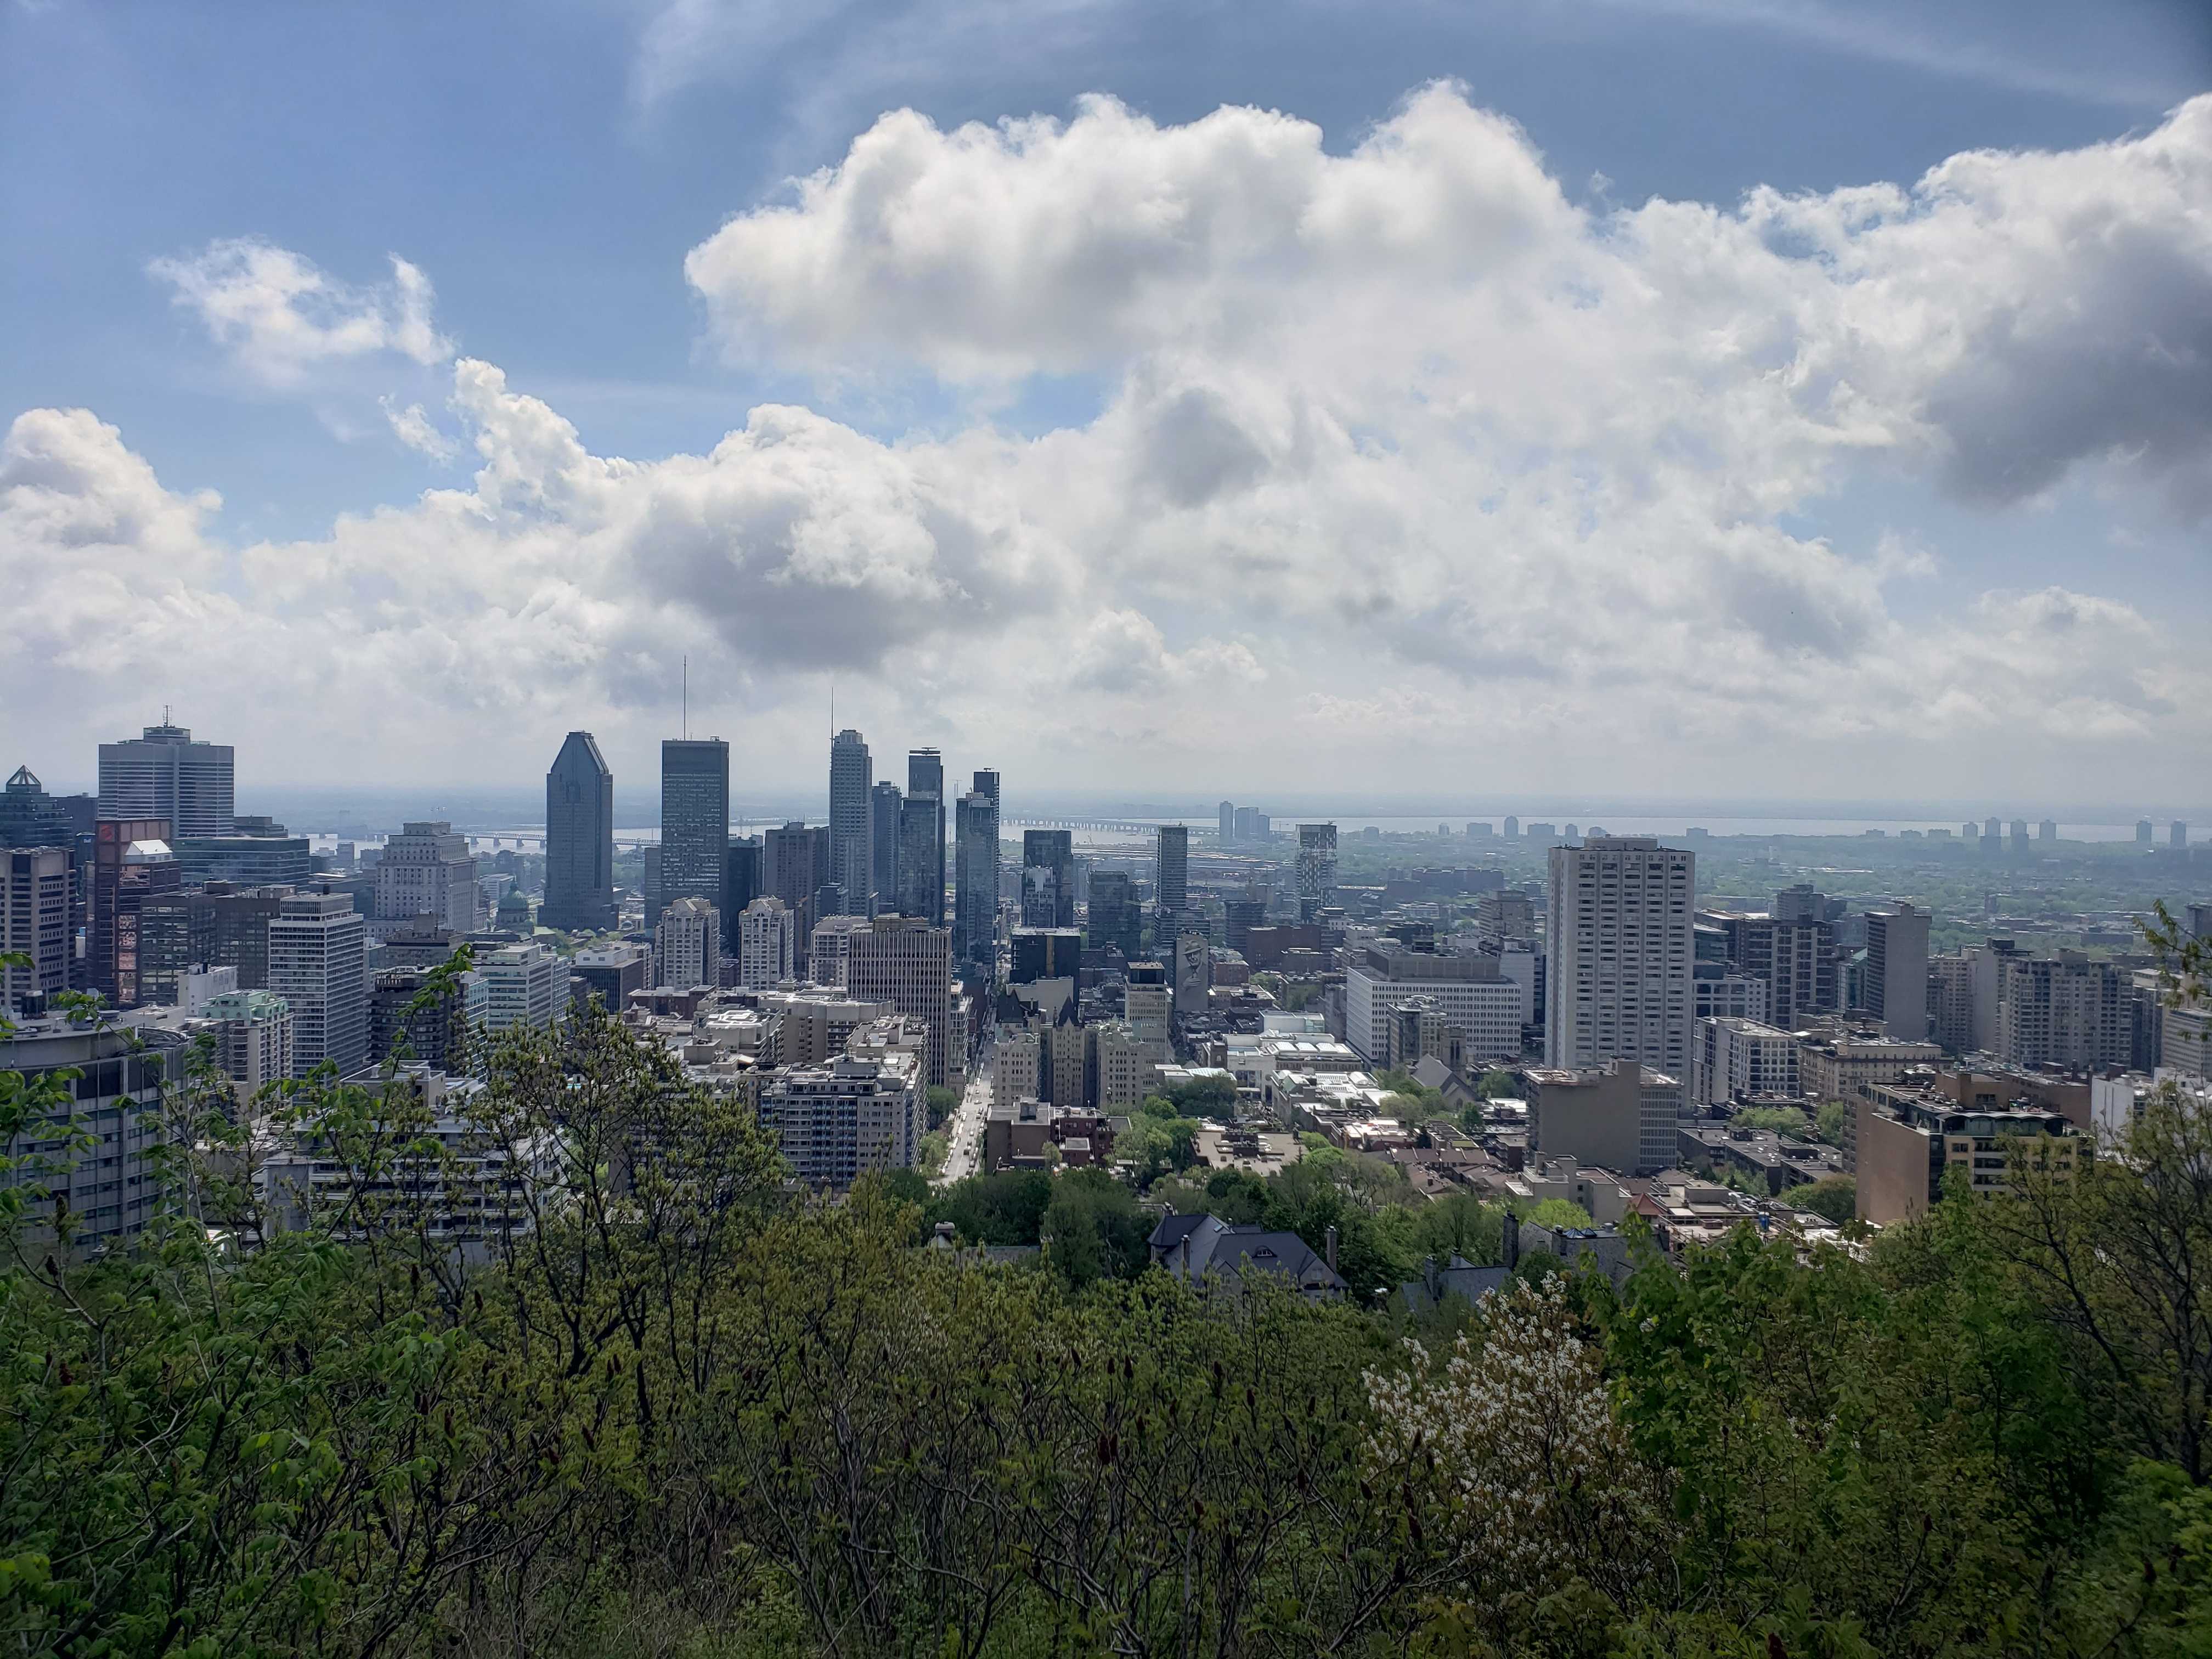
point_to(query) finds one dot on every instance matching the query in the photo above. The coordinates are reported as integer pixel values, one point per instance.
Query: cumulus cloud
(1401, 454)
(279, 317)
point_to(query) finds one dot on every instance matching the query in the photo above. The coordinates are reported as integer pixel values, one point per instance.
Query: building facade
(1618, 945)
(1170, 880)
(426, 869)
(579, 839)
(1897, 970)
(257, 853)
(317, 956)
(847, 1117)
(110, 1180)
(694, 824)
(767, 945)
(163, 774)
(852, 847)
(686, 944)
(132, 867)
(252, 1039)
(522, 985)
(1048, 878)
(36, 887)
(976, 878)
(908, 964)
(1317, 869)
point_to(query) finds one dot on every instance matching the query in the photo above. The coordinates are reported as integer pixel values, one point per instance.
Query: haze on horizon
(1496, 406)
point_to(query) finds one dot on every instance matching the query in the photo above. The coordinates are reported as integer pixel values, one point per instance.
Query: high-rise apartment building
(847, 1117)
(252, 1039)
(426, 869)
(2067, 1010)
(317, 957)
(1227, 816)
(695, 822)
(975, 875)
(1050, 854)
(906, 963)
(852, 847)
(98, 1156)
(767, 945)
(164, 774)
(1317, 869)
(523, 986)
(35, 883)
(132, 868)
(1171, 879)
(429, 1029)
(1897, 971)
(687, 945)
(1618, 950)
(579, 839)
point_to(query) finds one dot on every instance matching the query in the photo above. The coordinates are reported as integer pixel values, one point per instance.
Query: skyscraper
(767, 945)
(684, 945)
(1113, 917)
(794, 867)
(318, 954)
(426, 869)
(741, 876)
(164, 774)
(1228, 811)
(1171, 879)
(34, 921)
(132, 866)
(910, 965)
(694, 820)
(975, 875)
(1317, 869)
(922, 838)
(852, 849)
(1897, 971)
(1051, 855)
(579, 838)
(885, 804)
(1619, 946)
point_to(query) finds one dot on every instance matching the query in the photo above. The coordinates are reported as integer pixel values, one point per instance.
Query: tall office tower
(975, 876)
(694, 821)
(852, 849)
(132, 866)
(921, 872)
(2143, 832)
(579, 839)
(1051, 852)
(795, 868)
(908, 964)
(1227, 817)
(885, 804)
(987, 783)
(686, 944)
(1619, 947)
(317, 956)
(922, 838)
(1317, 869)
(2046, 832)
(1512, 828)
(1114, 918)
(741, 877)
(1897, 971)
(1248, 824)
(34, 921)
(1171, 879)
(767, 945)
(164, 774)
(2177, 833)
(433, 1028)
(426, 869)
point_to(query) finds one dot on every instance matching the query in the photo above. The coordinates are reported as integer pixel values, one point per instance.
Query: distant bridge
(1127, 826)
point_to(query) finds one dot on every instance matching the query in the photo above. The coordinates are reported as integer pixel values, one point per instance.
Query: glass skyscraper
(852, 849)
(694, 820)
(579, 838)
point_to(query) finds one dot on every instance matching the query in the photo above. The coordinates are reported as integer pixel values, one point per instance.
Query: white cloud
(280, 317)
(1409, 471)
(417, 431)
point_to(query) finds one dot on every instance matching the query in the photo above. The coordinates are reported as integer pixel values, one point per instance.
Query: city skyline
(1812, 450)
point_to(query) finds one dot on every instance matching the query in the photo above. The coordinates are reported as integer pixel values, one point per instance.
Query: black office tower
(694, 821)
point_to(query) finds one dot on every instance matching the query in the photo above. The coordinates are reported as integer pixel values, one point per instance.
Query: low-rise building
(1203, 1249)
(1908, 1140)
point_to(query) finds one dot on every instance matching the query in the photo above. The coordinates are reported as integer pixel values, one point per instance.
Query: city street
(966, 1126)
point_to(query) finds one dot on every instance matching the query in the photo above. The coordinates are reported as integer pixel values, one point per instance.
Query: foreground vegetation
(684, 1414)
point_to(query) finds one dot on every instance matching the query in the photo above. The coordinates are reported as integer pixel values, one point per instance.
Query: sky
(1675, 398)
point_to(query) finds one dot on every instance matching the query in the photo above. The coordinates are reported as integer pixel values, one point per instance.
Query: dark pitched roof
(1201, 1245)
(1462, 1278)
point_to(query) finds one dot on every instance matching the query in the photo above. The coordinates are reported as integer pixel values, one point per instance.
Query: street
(965, 1125)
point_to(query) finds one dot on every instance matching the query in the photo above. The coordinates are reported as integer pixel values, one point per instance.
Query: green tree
(1835, 1197)
(943, 1102)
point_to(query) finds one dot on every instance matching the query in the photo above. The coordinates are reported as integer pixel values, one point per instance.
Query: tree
(1836, 1197)
(943, 1102)
(1783, 1120)
(1560, 1213)
(1094, 1229)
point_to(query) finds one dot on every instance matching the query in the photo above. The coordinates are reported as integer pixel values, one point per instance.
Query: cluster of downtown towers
(882, 850)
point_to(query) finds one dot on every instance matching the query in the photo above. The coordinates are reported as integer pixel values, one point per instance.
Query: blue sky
(548, 169)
